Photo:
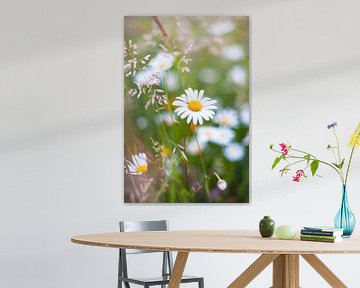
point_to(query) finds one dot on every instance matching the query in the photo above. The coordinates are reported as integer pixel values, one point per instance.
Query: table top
(217, 241)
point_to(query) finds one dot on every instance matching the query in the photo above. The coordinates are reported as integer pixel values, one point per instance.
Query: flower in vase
(300, 175)
(193, 106)
(284, 148)
(332, 125)
(355, 137)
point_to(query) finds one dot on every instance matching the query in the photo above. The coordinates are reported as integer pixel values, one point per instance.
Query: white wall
(61, 156)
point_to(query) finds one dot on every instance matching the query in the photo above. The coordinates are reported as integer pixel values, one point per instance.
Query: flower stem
(185, 160)
(348, 167)
(207, 190)
(311, 159)
(161, 27)
(338, 146)
(296, 162)
(339, 156)
(304, 152)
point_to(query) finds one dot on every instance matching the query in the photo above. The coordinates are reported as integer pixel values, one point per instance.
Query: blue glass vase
(345, 219)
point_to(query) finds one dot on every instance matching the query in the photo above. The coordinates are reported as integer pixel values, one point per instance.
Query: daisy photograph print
(186, 97)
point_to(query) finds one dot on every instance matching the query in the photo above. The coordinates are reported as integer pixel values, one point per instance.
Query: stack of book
(321, 234)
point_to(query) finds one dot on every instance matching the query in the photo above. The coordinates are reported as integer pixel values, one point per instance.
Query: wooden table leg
(286, 271)
(178, 269)
(324, 271)
(253, 270)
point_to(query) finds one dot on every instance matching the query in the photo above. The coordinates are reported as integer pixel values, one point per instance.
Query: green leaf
(271, 146)
(307, 157)
(314, 167)
(276, 161)
(335, 164)
(184, 155)
(342, 163)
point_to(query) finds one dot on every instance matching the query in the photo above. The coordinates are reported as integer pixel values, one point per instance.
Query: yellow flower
(355, 137)
(165, 151)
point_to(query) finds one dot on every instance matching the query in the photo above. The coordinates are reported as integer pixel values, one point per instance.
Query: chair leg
(201, 283)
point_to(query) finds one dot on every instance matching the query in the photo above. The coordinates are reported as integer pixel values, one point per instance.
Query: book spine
(319, 233)
(317, 239)
(319, 236)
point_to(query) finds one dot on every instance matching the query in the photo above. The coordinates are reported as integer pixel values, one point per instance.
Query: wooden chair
(167, 262)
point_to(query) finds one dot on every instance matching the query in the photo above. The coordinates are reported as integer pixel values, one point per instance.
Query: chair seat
(158, 280)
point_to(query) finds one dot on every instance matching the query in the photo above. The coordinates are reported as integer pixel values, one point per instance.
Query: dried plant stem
(204, 170)
(161, 27)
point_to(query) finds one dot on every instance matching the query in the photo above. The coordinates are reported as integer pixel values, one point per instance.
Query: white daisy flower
(205, 134)
(193, 106)
(221, 27)
(227, 117)
(245, 115)
(194, 148)
(146, 78)
(138, 165)
(223, 136)
(237, 75)
(234, 152)
(232, 52)
(246, 140)
(162, 62)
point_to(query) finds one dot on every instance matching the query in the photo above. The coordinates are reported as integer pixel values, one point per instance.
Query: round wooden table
(284, 254)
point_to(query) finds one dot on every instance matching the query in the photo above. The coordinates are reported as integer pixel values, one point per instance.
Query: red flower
(299, 175)
(284, 148)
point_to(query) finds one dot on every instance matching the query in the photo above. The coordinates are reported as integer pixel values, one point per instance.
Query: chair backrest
(137, 226)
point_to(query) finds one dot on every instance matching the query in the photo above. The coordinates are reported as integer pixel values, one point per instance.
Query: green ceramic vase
(266, 227)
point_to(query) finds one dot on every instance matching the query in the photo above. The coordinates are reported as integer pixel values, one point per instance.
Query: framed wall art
(186, 97)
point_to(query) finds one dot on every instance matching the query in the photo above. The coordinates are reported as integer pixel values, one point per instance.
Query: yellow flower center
(162, 65)
(225, 121)
(165, 151)
(195, 105)
(141, 169)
